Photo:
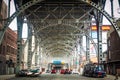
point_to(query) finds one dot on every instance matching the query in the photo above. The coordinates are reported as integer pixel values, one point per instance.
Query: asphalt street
(60, 77)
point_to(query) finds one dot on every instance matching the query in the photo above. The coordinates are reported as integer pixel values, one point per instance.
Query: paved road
(59, 77)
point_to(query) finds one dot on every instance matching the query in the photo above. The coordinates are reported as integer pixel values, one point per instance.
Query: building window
(3, 49)
(7, 48)
(0, 5)
(108, 43)
(0, 49)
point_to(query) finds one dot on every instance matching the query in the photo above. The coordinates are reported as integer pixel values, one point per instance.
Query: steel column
(30, 3)
(119, 2)
(36, 59)
(36, 51)
(87, 49)
(80, 50)
(29, 47)
(9, 8)
(99, 37)
(19, 42)
(40, 54)
(112, 12)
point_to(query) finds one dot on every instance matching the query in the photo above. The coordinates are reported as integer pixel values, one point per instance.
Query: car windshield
(24, 70)
(99, 68)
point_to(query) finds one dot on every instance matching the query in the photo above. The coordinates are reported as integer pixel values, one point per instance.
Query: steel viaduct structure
(58, 25)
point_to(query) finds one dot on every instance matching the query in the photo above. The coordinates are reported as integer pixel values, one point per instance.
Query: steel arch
(30, 3)
(110, 18)
(62, 44)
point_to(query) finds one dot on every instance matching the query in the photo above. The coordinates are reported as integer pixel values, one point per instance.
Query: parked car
(62, 71)
(67, 71)
(99, 72)
(23, 73)
(92, 70)
(75, 71)
(47, 71)
(35, 72)
(53, 71)
(88, 70)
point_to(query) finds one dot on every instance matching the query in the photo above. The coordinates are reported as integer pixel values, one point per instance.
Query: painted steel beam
(33, 2)
(59, 53)
(87, 49)
(58, 44)
(29, 62)
(102, 11)
(65, 37)
(99, 37)
(119, 2)
(19, 42)
(58, 48)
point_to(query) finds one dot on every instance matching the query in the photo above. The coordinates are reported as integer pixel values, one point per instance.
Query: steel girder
(27, 5)
(60, 43)
(30, 3)
(19, 42)
(119, 2)
(63, 48)
(29, 62)
(60, 37)
(87, 49)
(33, 2)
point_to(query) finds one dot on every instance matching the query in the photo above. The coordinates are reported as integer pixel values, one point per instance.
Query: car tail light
(99, 73)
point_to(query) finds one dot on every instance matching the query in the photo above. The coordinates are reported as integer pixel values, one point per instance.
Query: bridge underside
(58, 25)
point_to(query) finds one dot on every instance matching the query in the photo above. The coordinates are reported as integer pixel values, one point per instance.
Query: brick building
(8, 48)
(113, 57)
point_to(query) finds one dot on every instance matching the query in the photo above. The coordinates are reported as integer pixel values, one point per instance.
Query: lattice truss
(59, 24)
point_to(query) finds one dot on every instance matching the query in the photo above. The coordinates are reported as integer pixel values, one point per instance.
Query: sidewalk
(111, 77)
(5, 77)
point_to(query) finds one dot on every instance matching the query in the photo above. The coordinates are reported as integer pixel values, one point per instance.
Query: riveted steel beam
(19, 42)
(87, 49)
(33, 2)
(65, 37)
(18, 12)
(58, 48)
(55, 23)
(119, 2)
(58, 43)
(109, 18)
(29, 62)
(59, 52)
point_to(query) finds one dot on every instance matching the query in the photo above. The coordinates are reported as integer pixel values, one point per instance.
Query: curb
(5, 77)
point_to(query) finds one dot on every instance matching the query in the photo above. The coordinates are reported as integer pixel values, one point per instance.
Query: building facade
(113, 53)
(8, 47)
(8, 52)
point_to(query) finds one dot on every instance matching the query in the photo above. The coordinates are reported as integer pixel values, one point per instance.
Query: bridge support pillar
(19, 42)
(87, 49)
(99, 37)
(29, 47)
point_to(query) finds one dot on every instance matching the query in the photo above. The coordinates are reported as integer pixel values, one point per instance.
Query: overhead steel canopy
(57, 22)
